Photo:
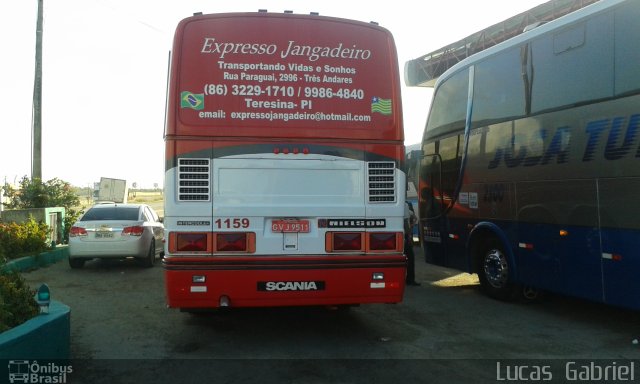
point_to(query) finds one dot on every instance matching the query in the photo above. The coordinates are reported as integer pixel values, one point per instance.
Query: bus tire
(494, 271)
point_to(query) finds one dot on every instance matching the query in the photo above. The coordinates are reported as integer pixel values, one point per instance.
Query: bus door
(431, 208)
(444, 141)
(439, 177)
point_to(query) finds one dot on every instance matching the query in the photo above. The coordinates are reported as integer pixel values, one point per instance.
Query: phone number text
(283, 91)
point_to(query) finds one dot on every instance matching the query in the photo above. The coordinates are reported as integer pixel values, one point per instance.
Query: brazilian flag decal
(382, 106)
(192, 100)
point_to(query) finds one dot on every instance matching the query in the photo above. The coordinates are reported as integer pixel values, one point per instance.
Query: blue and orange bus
(529, 173)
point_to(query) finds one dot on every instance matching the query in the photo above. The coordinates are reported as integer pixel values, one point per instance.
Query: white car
(112, 230)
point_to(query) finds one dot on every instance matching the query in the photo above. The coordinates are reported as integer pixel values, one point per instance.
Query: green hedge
(17, 240)
(17, 301)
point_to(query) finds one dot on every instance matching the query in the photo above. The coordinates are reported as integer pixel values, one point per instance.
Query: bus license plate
(290, 226)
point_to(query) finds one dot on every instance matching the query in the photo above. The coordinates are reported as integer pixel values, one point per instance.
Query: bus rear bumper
(277, 281)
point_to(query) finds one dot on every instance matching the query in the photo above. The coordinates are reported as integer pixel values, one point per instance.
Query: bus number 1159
(234, 223)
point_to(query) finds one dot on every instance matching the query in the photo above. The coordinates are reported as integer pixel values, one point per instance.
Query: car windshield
(111, 213)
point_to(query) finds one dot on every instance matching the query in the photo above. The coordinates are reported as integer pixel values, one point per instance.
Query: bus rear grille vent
(381, 182)
(194, 183)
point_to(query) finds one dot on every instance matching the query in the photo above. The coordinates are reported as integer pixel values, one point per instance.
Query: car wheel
(148, 261)
(495, 270)
(76, 263)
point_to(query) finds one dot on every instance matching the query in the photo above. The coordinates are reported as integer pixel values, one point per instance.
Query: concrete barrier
(43, 259)
(42, 337)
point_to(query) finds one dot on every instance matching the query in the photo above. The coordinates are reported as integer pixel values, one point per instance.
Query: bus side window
(627, 55)
(499, 89)
(560, 77)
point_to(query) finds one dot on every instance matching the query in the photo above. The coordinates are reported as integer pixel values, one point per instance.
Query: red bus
(284, 150)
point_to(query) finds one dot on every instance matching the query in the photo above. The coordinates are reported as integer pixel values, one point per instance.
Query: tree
(33, 193)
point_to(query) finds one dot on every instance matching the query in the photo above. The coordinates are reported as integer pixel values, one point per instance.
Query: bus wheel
(494, 272)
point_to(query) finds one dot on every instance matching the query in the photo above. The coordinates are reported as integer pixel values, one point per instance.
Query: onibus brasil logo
(31, 372)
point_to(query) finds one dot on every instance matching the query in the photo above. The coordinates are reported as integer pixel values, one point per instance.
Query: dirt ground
(444, 331)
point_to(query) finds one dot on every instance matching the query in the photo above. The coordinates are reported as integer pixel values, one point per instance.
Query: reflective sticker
(473, 200)
(463, 198)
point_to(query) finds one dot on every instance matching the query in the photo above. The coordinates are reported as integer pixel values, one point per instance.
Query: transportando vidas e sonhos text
(570, 371)
(279, 67)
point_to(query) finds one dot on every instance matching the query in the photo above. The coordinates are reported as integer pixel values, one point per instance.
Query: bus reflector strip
(525, 245)
(612, 256)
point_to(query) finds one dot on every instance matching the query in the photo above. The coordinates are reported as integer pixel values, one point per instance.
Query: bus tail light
(231, 242)
(385, 241)
(133, 231)
(191, 242)
(343, 241)
(77, 231)
(235, 242)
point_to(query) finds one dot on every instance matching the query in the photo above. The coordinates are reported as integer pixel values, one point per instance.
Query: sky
(105, 67)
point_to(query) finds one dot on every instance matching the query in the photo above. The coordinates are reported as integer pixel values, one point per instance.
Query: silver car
(112, 230)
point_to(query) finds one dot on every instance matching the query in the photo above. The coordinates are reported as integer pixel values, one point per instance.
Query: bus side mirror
(416, 155)
(412, 164)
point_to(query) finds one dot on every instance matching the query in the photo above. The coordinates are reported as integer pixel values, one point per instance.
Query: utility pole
(36, 124)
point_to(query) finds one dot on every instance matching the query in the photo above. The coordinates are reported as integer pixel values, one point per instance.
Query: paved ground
(444, 331)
